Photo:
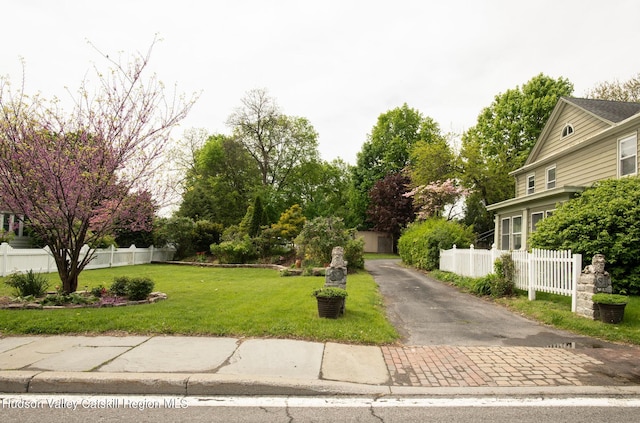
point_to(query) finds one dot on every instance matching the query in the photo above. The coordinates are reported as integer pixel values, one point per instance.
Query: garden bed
(8, 303)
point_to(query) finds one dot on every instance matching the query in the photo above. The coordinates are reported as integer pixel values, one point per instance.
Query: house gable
(586, 117)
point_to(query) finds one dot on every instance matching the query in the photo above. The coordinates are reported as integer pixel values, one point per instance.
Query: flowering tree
(431, 199)
(78, 176)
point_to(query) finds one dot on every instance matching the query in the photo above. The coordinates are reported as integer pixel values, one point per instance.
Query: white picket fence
(39, 260)
(550, 271)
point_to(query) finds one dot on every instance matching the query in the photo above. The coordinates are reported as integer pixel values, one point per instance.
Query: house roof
(612, 111)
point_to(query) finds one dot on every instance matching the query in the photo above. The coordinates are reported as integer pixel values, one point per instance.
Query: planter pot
(330, 307)
(611, 313)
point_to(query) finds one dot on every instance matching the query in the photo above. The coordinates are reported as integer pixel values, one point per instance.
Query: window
(517, 232)
(505, 234)
(551, 177)
(628, 148)
(567, 130)
(531, 184)
(535, 218)
(4, 222)
(511, 233)
(549, 213)
(11, 222)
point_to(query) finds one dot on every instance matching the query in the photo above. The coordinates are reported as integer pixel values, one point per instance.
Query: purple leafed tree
(389, 209)
(78, 176)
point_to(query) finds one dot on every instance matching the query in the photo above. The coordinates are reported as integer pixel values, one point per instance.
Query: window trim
(555, 176)
(531, 189)
(629, 137)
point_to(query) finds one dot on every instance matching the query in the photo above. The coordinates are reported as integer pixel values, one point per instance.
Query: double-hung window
(531, 184)
(516, 229)
(511, 233)
(628, 155)
(551, 177)
(505, 234)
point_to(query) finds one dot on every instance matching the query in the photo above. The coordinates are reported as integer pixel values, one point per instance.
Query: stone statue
(336, 273)
(601, 278)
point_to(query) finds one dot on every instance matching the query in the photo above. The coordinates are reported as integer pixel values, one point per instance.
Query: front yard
(215, 301)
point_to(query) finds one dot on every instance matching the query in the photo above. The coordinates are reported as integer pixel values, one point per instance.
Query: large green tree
(320, 188)
(222, 183)
(432, 162)
(276, 142)
(501, 141)
(387, 150)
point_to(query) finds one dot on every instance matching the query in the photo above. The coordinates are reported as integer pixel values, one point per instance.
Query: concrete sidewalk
(176, 365)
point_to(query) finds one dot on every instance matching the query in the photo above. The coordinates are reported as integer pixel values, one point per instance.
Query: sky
(338, 63)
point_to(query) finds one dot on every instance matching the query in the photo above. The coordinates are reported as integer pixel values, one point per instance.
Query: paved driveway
(427, 312)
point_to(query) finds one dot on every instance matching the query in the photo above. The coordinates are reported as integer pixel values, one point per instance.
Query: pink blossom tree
(78, 176)
(432, 199)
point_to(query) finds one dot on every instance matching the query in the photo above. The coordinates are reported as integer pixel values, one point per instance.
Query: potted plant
(330, 301)
(610, 306)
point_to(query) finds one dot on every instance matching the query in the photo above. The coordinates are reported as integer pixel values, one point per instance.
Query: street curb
(110, 383)
(205, 384)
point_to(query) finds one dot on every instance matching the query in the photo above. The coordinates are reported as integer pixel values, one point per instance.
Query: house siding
(584, 125)
(582, 167)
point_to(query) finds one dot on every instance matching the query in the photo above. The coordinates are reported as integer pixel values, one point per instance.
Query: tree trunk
(67, 269)
(70, 284)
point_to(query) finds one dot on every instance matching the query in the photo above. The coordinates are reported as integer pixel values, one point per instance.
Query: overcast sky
(338, 63)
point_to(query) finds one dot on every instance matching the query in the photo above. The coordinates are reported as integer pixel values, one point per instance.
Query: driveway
(428, 312)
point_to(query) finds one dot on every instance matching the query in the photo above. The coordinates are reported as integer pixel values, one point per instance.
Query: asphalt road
(428, 312)
(305, 409)
(298, 409)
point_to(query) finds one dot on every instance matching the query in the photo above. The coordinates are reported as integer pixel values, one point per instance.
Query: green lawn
(216, 301)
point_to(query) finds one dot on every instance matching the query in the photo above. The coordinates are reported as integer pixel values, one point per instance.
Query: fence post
(495, 254)
(454, 263)
(112, 250)
(532, 264)
(133, 254)
(577, 264)
(4, 249)
(472, 268)
(151, 254)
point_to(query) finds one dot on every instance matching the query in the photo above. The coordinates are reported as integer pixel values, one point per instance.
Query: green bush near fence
(420, 244)
(604, 219)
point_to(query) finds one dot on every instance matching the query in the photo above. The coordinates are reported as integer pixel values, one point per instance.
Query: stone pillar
(594, 279)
